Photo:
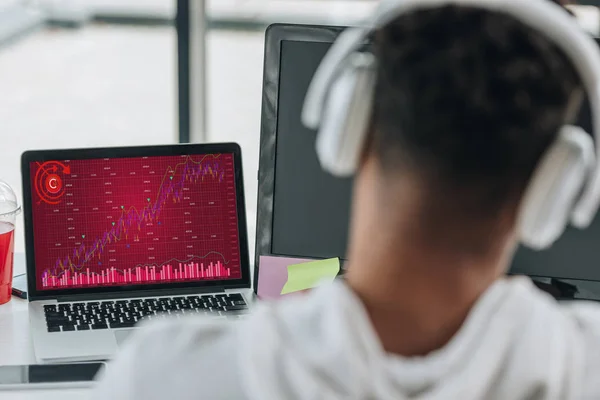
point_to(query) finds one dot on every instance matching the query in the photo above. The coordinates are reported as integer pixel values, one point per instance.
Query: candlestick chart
(133, 221)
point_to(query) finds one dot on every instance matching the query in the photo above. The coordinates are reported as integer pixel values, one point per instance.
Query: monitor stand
(558, 289)
(563, 289)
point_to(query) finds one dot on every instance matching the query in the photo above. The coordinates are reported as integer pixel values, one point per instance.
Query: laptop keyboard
(117, 314)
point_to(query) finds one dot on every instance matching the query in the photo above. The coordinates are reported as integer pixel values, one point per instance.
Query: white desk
(16, 347)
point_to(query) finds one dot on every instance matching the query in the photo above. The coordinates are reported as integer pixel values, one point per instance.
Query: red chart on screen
(145, 220)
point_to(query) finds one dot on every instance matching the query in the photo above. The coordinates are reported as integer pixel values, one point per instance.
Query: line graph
(134, 219)
(155, 213)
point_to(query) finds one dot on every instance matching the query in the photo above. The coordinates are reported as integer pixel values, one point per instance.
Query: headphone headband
(541, 15)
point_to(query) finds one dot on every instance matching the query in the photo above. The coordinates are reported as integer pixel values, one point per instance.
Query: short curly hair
(469, 98)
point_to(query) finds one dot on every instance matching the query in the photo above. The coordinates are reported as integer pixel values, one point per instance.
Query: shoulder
(586, 317)
(575, 327)
(580, 318)
(175, 358)
(548, 345)
(180, 358)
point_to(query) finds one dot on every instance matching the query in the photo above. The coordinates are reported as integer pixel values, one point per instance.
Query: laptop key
(49, 307)
(85, 327)
(118, 325)
(57, 321)
(66, 328)
(235, 308)
(54, 329)
(52, 314)
(150, 300)
(100, 326)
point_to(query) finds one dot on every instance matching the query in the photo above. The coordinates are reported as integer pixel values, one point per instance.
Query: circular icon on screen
(49, 179)
(53, 184)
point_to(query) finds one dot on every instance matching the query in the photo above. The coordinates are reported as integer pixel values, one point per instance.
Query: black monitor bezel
(127, 152)
(274, 36)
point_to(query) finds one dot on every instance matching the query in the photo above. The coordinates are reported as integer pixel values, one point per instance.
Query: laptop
(115, 236)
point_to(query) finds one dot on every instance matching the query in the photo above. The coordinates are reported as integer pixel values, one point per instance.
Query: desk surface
(16, 346)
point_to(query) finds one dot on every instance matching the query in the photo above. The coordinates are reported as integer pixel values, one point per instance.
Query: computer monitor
(303, 211)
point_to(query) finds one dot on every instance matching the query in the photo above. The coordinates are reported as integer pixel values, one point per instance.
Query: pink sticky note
(273, 274)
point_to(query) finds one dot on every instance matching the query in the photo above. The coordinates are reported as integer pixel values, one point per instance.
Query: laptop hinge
(141, 293)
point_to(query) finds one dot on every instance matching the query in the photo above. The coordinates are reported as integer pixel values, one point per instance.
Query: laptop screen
(134, 221)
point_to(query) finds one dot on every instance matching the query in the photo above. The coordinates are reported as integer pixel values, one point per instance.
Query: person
(466, 103)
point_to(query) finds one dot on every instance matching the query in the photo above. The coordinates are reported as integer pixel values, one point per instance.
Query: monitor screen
(311, 208)
(134, 221)
(314, 203)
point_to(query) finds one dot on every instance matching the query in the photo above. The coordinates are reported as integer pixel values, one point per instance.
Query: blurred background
(80, 73)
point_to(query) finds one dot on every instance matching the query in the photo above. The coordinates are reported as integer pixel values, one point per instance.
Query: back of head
(466, 102)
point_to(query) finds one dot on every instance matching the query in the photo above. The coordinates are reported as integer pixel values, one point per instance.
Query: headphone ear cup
(555, 186)
(346, 117)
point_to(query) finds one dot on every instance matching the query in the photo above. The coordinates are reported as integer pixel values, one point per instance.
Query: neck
(417, 291)
(417, 304)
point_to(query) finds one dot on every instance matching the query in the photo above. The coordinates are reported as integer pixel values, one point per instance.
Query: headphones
(565, 185)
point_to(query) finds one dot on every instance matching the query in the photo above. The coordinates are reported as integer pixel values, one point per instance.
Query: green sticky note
(308, 275)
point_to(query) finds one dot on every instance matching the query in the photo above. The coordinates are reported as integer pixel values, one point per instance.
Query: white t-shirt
(517, 343)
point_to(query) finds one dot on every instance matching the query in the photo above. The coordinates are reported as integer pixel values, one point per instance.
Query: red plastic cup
(9, 209)
(7, 249)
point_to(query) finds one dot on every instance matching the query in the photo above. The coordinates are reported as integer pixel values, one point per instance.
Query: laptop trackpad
(122, 335)
(75, 346)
